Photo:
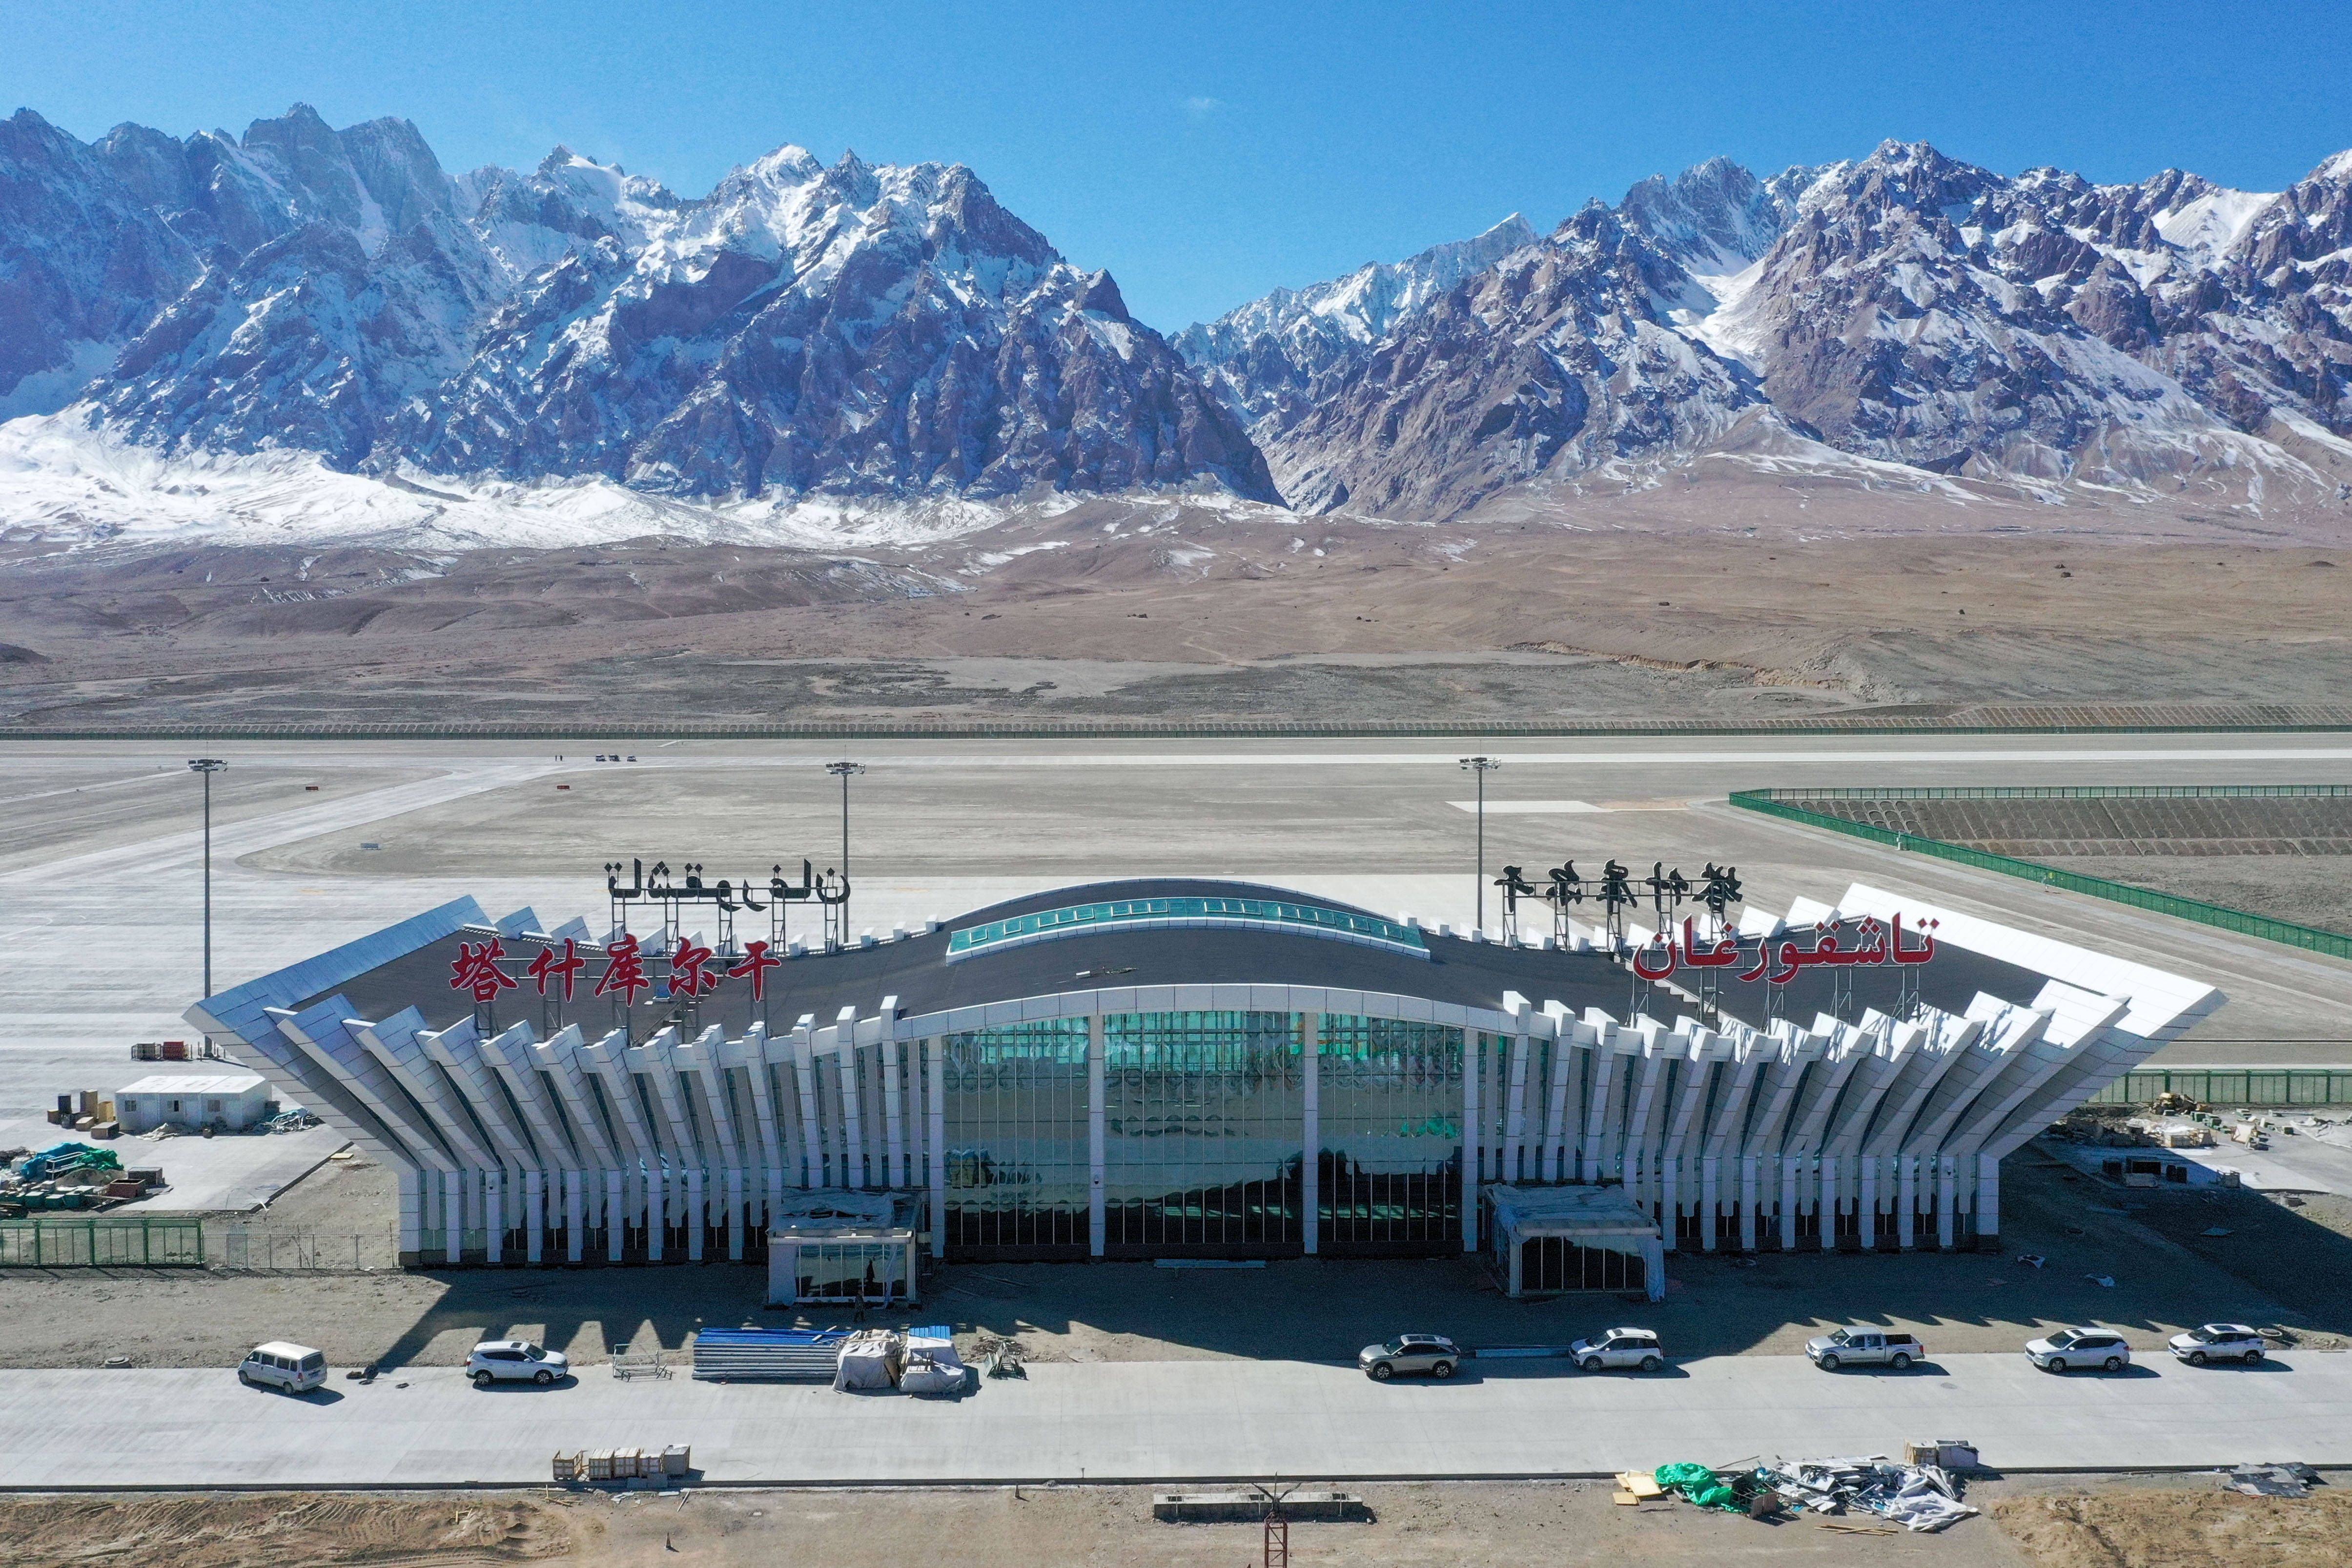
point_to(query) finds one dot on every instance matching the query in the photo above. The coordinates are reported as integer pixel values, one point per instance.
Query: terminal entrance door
(1203, 1117)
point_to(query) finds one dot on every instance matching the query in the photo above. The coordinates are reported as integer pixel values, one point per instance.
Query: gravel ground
(2046, 1522)
(2310, 890)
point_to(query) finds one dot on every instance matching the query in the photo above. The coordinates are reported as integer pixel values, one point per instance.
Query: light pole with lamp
(1482, 766)
(843, 771)
(207, 765)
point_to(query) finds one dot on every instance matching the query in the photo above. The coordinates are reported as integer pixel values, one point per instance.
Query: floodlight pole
(207, 765)
(843, 769)
(1482, 766)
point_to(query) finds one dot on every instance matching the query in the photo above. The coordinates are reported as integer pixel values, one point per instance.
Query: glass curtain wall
(1018, 1164)
(1204, 1116)
(1203, 1125)
(1390, 1099)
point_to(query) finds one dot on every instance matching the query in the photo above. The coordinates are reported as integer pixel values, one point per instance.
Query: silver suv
(1429, 1352)
(2102, 1348)
(2219, 1342)
(515, 1360)
(1865, 1347)
(1619, 1347)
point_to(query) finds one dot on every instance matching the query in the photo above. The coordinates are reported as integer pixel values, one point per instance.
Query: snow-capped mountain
(218, 322)
(867, 331)
(1562, 357)
(2166, 338)
(852, 331)
(1265, 358)
(84, 265)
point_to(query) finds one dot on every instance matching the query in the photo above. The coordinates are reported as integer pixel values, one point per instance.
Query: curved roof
(1148, 887)
(915, 970)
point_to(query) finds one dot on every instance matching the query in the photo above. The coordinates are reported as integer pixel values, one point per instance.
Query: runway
(100, 889)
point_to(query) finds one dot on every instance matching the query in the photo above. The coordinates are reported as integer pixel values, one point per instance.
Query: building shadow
(2279, 1265)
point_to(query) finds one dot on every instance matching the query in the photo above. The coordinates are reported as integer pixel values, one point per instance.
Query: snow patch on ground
(63, 482)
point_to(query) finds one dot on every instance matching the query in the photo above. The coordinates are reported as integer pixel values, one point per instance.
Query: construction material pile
(1916, 1496)
(920, 1361)
(624, 1467)
(73, 1177)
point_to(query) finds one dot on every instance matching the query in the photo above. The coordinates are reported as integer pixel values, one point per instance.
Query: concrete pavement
(1164, 1421)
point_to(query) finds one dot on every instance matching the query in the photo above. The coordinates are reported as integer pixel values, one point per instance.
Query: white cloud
(1201, 108)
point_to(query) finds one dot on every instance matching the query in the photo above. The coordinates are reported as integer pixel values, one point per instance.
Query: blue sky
(1208, 152)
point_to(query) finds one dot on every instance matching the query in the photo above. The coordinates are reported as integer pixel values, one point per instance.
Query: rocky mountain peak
(1716, 217)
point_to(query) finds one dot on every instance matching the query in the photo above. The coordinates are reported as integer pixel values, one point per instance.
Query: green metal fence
(128, 1243)
(1781, 803)
(2248, 1086)
(2068, 792)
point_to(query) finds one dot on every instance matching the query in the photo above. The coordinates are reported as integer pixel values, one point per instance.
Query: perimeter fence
(2256, 1088)
(1791, 806)
(145, 1241)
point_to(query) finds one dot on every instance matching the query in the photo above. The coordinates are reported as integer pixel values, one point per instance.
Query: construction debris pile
(1923, 1496)
(71, 1176)
(2272, 1480)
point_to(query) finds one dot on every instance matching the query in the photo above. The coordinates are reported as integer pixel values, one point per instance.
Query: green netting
(1698, 1484)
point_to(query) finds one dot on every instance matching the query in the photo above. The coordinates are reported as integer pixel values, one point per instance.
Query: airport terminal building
(1204, 1069)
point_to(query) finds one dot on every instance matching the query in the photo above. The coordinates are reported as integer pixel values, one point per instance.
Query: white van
(295, 1368)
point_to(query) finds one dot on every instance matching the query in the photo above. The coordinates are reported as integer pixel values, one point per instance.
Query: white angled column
(1907, 1199)
(494, 1216)
(804, 1080)
(853, 1118)
(575, 1236)
(534, 1214)
(1514, 1102)
(1310, 1172)
(615, 1216)
(453, 1213)
(1097, 1218)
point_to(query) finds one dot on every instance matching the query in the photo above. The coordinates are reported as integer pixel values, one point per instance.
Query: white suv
(2219, 1342)
(295, 1368)
(2067, 1348)
(515, 1360)
(1619, 1347)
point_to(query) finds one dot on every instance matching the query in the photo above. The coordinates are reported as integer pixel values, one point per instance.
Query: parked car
(1432, 1354)
(1619, 1347)
(1865, 1347)
(295, 1368)
(2068, 1348)
(2219, 1342)
(515, 1360)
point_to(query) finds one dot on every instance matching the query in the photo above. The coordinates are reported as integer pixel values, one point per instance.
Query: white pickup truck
(1865, 1347)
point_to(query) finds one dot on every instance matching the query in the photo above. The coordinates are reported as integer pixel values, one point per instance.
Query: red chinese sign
(547, 967)
(476, 969)
(624, 971)
(757, 962)
(688, 976)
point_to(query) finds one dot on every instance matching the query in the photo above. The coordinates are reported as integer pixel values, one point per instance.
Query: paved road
(1152, 1421)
